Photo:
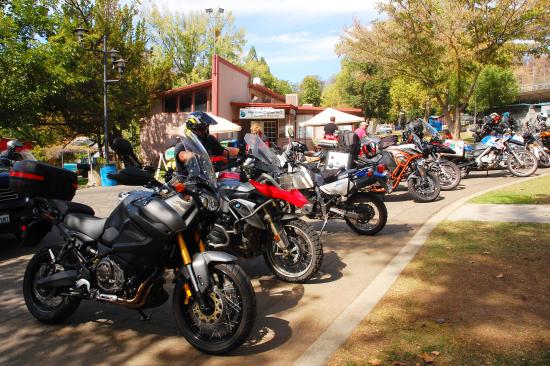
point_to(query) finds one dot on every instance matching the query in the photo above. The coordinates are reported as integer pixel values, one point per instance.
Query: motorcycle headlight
(209, 201)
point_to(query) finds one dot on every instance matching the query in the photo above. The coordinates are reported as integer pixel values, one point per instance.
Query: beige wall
(156, 133)
(232, 87)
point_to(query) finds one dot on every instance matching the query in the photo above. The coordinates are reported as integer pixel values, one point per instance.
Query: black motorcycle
(122, 259)
(16, 210)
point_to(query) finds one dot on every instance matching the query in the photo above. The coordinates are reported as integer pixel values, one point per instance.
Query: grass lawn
(476, 294)
(535, 191)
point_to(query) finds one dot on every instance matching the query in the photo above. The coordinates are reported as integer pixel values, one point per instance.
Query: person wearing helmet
(198, 123)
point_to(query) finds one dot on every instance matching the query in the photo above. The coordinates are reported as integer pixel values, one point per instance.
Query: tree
(408, 96)
(496, 87)
(311, 89)
(444, 44)
(360, 85)
(187, 39)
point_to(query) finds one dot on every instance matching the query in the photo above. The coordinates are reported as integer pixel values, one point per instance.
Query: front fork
(187, 264)
(279, 234)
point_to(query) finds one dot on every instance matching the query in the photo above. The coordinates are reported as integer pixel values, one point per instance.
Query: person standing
(330, 128)
(361, 132)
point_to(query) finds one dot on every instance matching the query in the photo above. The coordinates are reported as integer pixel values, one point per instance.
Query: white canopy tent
(323, 118)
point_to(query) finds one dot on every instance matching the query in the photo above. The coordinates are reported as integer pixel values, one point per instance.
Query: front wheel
(525, 164)
(45, 304)
(424, 189)
(368, 213)
(302, 257)
(544, 159)
(449, 175)
(229, 316)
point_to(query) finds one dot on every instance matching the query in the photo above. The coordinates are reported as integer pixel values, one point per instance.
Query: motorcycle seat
(313, 154)
(88, 225)
(65, 207)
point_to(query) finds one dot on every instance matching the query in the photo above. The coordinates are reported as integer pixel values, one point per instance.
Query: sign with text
(261, 113)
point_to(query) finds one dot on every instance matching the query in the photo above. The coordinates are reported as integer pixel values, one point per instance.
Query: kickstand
(144, 317)
(323, 228)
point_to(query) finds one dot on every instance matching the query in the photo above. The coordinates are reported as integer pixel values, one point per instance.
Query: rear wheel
(302, 257)
(230, 315)
(424, 189)
(449, 175)
(45, 304)
(372, 213)
(525, 165)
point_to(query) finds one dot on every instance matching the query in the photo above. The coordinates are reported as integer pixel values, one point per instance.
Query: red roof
(299, 109)
(254, 104)
(305, 109)
(187, 88)
(265, 90)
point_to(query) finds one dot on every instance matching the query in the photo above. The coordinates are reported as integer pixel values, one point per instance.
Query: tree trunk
(457, 125)
(448, 118)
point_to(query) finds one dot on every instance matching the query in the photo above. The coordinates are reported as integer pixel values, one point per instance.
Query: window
(200, 100)
(270, 131)
(186, 100)
(170, 105)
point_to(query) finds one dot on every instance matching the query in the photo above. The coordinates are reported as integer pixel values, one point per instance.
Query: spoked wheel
(229, 316)
(525, 165)
(449, 175)
(424, 190)
(303, 256)
(45, 304)
(371, 211)
(544, 160)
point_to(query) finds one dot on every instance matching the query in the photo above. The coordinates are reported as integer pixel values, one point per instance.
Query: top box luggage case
(36, 179)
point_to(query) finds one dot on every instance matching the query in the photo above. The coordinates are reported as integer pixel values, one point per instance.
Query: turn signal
(370, 172)
(179, 187)
(380, 168)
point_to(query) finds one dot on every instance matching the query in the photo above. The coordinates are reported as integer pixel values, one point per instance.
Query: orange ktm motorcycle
(407, 163)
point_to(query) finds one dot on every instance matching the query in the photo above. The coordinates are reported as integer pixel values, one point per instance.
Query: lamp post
(119, 64)
(211, 12)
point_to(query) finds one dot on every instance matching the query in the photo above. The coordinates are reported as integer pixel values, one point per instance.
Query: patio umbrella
(323, 118)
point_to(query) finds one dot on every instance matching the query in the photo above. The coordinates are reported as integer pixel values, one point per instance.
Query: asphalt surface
(290, 316)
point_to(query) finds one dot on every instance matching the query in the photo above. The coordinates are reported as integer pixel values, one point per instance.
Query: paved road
(290, 317)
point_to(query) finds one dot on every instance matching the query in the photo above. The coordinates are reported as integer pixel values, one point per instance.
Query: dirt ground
(468, 298)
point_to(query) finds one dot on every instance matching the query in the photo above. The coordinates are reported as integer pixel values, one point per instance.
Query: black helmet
(196, 121)
(14, 144)
(416, 127)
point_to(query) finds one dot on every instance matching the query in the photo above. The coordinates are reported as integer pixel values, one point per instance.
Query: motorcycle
(256, 218)
(407, 163)
(493, 152)
(122, 259)
(337, 192)
(15, 209)
(533, 143)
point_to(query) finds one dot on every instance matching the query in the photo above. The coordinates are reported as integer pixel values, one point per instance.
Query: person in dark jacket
(331, 128)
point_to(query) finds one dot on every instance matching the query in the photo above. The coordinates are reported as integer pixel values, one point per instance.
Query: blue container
(106, 182)
(70, 166)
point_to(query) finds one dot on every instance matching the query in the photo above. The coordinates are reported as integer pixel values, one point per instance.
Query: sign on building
(261, 113)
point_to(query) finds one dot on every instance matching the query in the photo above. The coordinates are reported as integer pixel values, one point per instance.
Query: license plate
(4, 219)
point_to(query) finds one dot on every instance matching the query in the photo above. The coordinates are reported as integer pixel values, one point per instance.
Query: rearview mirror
(290, 131)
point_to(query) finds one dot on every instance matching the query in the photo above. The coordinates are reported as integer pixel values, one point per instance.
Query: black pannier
(36, 179)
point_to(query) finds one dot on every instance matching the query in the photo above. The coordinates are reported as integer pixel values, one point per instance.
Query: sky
(296, 37)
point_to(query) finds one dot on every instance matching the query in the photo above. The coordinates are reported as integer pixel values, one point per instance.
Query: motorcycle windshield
(432, 131)
(260, 150)
(199, 165)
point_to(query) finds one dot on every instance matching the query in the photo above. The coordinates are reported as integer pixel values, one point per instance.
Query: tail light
(370, 172)
(381, 168)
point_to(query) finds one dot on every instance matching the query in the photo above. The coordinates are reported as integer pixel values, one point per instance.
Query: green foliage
(360, 85)
(408, 96)
(187, 40)
(311, 89)
(496, 87)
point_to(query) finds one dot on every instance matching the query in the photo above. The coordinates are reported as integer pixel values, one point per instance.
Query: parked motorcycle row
(198, 224)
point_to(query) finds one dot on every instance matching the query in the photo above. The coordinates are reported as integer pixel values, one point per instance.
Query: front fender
(202, 261)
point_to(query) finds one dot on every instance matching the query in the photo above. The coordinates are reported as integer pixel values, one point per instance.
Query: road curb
(341, 328)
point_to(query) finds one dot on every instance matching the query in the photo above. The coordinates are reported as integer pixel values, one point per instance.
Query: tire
(39, 267)
(241, 309)
(464, 172)
(421, 195)
(310, 253)
(374, 204)
(544, 160)
(454, 175)
(527, 158)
